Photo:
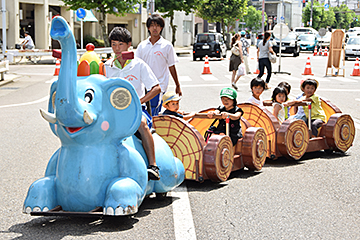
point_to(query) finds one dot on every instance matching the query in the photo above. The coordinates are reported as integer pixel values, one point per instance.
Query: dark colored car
(210, 44)
(288, 45)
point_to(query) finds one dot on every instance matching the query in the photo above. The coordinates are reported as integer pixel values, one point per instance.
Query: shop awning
(89, 17)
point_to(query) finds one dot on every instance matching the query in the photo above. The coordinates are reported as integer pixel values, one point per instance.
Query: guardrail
(38, 53)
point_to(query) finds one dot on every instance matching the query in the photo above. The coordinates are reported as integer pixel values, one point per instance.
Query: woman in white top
(264, 47)
(236, 59)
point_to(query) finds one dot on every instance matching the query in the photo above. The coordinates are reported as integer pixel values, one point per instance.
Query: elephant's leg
(123, 197)
(41, 196)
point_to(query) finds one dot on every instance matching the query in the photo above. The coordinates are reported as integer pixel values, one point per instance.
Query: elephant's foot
(41, 196)
(119, 211)
(123, 197)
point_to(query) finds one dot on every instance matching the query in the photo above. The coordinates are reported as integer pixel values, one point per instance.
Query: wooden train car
(217, 158)
(292, 139)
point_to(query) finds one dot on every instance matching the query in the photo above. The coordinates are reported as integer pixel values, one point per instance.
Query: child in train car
(171, 103)
(318, 116)
(279, 97)
(228, 110)
(257, 86)
(287, 87)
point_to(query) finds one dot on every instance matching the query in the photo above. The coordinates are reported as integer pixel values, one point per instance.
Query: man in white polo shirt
(160, 55)
(139, 74)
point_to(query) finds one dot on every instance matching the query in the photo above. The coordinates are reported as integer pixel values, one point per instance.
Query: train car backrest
(203, 124)
(261, 117)
(185, 142)
(329, 108)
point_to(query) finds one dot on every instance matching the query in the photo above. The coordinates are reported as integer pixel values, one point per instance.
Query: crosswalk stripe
(209, 78)
(185, 79)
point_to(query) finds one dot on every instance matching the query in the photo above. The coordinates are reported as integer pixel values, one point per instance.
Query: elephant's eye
(89, 96)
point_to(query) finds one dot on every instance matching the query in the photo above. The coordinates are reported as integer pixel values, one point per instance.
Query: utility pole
(3, 11)
(263, 16)
(311, 12)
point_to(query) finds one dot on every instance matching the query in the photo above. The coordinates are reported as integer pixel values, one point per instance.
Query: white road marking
(357, 123)
(211, 85)
(357, 99)
(183, 220)
(322, 79)
(185, 79)
(27, 103)
(341, 79)
(52, 80)
(209, 78)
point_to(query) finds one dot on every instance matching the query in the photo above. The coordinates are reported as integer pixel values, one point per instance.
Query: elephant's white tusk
(50, 117)
(87, 118)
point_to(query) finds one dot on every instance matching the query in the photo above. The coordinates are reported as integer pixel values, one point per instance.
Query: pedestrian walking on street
(236, 59)
(160, 55)
(245, 51)
(264, 48)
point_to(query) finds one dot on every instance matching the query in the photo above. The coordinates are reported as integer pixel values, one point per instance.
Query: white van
(301, 30)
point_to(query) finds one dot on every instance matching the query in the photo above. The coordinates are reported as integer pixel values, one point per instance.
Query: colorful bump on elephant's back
(185, 142)
(261, 117)
(90, 63)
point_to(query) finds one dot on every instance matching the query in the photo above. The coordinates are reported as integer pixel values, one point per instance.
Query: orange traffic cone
(57, 67)
(326, 51)
(315, 51)
(206, 66)
(356, 70)
(257, 70)
(320, 51)
(308, 68)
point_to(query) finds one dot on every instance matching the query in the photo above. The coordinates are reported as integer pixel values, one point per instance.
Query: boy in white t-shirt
(160, 55)
(139, 74)
(257, 86)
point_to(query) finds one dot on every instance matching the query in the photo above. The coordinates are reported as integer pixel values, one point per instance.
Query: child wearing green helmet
(228, 109)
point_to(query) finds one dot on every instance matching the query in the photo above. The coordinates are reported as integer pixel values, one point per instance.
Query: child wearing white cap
(171, 104)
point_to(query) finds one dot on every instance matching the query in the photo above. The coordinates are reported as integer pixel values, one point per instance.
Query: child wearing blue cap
(229, 109)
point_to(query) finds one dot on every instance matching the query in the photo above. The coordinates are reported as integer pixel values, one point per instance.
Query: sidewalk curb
(9, 80)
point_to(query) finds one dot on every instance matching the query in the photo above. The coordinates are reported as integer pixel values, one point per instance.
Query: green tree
(169, 6)
(118, 8)
(320, 17)
(219, 10)
(344, 17)
(253, 18)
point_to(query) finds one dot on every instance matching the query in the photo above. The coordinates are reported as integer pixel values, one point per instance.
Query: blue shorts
(155, 105)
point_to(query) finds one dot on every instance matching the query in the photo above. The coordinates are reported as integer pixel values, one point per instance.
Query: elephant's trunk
(66, 103)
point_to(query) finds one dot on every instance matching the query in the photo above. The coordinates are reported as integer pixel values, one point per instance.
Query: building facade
(292, 12)
(35, 17)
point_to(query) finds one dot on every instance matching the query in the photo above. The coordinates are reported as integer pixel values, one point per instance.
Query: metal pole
(82, 33)
(263, 16)
(3, 10)
(311, 12)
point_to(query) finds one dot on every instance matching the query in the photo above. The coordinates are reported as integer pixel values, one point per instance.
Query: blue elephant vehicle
(100, 167)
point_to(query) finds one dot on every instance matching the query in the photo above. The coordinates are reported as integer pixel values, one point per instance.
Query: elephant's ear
(123, 101)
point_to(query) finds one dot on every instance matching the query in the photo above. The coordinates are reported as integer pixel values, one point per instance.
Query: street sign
(242, 23)
(322, 32)
(80, 13)
(280, 27)
(326, 6)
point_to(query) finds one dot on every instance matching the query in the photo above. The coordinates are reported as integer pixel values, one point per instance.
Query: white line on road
(183, 220)
(357, 99)
(211, 85)
(27, 103)
(52, 80)
(185, 79)
(208, 78)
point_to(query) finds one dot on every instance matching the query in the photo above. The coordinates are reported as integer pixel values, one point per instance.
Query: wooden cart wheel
(293, 138)
(340, 132)
(218, 158)
(254, 148)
